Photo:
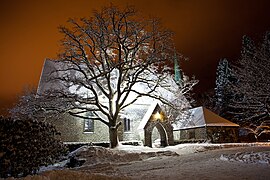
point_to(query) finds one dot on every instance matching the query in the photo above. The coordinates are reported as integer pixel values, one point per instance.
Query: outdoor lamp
(157, 116)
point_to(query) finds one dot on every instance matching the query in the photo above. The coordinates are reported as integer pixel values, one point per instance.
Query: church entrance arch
(156, 118)
(165, 134)
(160, 134)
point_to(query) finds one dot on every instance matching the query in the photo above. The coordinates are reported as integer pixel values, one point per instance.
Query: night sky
(205, 31)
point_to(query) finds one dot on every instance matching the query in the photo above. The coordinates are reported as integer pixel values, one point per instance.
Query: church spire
(177, 71)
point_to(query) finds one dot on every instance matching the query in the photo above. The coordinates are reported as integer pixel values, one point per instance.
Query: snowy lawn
(94, 155)
(136, 162)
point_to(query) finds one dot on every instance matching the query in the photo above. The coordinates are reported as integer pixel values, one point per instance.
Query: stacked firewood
(25, 145)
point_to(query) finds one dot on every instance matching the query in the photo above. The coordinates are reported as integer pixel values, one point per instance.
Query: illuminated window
(89, 123)
(126, 124)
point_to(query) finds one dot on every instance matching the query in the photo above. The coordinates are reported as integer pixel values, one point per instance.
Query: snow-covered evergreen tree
(250, 103)
(222, 82)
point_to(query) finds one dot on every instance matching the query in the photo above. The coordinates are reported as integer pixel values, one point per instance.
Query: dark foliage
(25, 145)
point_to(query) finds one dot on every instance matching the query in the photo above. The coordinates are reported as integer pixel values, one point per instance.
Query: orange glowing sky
(205, 31)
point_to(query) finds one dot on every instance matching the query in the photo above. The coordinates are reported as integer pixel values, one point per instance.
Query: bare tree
(111, 60)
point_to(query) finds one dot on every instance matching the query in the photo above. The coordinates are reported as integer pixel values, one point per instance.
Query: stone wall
(213, 134)
(135, 113)
(194, 134)
(72, 130)
(222, 134)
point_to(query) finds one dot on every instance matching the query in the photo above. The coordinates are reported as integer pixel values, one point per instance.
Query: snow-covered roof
(47, 69)
(202, 117)
(147, 115)
(53, 70)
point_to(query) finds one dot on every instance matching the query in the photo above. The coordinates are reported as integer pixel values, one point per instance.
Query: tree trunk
(113, 137)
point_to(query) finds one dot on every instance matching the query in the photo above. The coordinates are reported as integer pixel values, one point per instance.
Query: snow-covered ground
(188, 161)
(248, 157)
(245, 157)
(187, 148)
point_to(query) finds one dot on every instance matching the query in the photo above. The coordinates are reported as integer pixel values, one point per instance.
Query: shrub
(25, 145)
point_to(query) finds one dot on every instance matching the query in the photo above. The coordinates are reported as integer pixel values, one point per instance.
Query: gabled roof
(50, 70)
(202, 117)
(212, 119)
(53, 70)
(148, 115)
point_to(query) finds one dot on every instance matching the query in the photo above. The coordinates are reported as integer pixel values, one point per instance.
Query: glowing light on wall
(157, 116)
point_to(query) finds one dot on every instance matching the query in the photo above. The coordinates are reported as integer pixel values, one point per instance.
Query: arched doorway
(162, 133)
(156, 118)
(155, 137)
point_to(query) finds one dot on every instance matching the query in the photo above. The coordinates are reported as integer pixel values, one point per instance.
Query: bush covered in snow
(25, 145)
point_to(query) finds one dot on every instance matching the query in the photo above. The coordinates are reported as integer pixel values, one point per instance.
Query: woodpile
(25, 145)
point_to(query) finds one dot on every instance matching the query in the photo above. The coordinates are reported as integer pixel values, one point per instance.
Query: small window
(89, 123)
(126, 124)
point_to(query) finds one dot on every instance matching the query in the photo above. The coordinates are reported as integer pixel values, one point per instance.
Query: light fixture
(157, 116)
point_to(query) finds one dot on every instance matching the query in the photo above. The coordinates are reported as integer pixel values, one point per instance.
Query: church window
(89, 123)
(126, 124)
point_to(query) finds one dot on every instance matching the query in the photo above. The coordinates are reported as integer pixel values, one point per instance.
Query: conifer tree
(250, 102)
(222, 82)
